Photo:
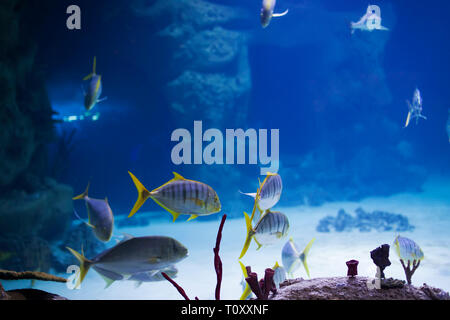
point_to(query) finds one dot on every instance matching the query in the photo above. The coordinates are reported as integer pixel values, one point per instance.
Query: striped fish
(292, 258)
(268, 193)
(100, 216)
(179, 196)
(271, 227)
(408, 250)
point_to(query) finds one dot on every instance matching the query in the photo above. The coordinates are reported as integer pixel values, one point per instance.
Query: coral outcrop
(343, 288)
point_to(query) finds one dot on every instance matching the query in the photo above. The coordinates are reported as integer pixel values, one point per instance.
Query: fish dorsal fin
(84, 194)
(106, 200)
(276, 266)
(107, 280)
(126, 236)
(177, 176)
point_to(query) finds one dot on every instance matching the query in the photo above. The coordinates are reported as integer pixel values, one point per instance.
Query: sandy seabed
(428, 211)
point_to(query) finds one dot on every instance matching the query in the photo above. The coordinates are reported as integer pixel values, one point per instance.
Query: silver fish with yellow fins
(292, 257)
(179, 196)
(100, 216)
(407, 250)
(415, 108)
(268, 6)
(268, 193)
(94, 90)
(271, 227)
(133, 256)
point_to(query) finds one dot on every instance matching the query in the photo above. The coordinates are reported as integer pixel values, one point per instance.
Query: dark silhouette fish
(94, 90)
(101, 218)
(133, 256)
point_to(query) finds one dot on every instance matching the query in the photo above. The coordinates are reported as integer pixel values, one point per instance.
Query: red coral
(262, 288)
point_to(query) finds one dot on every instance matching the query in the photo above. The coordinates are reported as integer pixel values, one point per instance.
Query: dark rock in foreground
(344, 288)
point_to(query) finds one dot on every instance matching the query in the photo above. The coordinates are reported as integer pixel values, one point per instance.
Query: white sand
(429, 212)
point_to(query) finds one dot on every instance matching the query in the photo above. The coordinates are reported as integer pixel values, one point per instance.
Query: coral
(29, 275)
(392, 283)
(264, 287)
(380, 257)
(352, 268)
(365, 221)
(217, 266)
(407, 268)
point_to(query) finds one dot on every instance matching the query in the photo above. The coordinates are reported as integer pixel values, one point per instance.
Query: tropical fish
(267, 14)
(415, 108)
(279, 276)
(100, 216)
(370, 21)
(92, 96)
(179, 196)
(407, 250)
(150, 276)
(291, 257)
(132, 256)
(271, 227)
(268, 193)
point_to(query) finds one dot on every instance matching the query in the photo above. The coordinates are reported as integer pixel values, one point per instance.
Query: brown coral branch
(29, 275)
(176, 285)
(408, 272)
(217, 261)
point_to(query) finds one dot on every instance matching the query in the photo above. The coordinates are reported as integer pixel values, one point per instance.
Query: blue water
(338, 100)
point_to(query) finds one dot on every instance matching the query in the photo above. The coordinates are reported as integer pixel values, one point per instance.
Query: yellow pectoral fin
(193, 216)
(198, 202)
(89, 76)
(173, 213)
(97, 86)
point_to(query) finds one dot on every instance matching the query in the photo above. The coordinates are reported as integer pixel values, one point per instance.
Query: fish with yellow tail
(278, 277)
(268, 6)
(292, 257)
(179, 196)
(100, 215)
(94, 89)
(268, 193)
(132, 256)
(271, 227)
(415, 108)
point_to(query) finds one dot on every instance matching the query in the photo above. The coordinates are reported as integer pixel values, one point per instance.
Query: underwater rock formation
(210, 72)
(343, 288)
(365, 222)
(380, 257)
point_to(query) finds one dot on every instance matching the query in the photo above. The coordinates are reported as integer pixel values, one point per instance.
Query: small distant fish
(267, 13)
(271, 227)
(407, 249)
(292, 258)
(92, 96)
(279, 276)
(415, 108)
(150, 276)
(179, 196)
(268, 193)
(133, 256)
(370, 21)
(101, 218)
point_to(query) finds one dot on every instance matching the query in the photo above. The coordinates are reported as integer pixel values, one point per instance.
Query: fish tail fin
(276, 15)
(305, 254)
(85, 264)
(143, 194)
(248, 240)
(247, 290)
(84, 194)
